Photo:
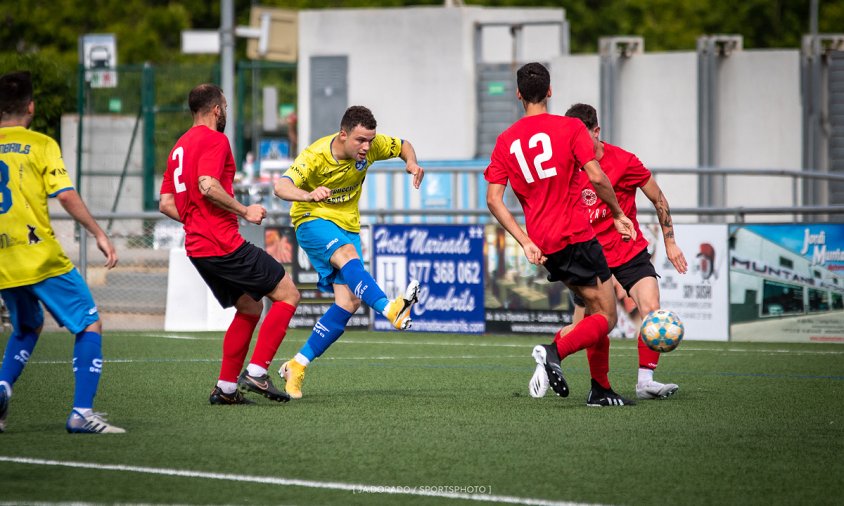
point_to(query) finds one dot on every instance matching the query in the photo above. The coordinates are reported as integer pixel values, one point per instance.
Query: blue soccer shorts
(320, 239)
(67, 297)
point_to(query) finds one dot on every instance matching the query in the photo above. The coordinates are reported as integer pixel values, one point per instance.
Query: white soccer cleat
(539, 384)
(655, 390)
(95, 423)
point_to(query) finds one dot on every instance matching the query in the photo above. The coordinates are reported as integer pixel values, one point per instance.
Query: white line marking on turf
(526, 345)
(289, 482)
(185, 360)
(180, 336)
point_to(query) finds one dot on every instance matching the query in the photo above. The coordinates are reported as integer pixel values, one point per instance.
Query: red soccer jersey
(209, 230)
(541, 156)
(627, 174)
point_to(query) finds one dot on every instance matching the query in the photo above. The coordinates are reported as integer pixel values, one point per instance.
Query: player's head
(357, 130)
(534, 83)
(357, 115)
(588, 115)
(585, 113)
(16, 96)
(208, 99)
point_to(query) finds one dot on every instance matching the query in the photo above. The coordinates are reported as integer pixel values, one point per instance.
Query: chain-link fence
(116, 151)
(134, 294)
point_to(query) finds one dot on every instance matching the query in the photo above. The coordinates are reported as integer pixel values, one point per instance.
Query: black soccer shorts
(248, 269)
(628, 274)
(578, 264)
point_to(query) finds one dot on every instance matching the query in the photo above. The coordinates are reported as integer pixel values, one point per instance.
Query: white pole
(227, 65)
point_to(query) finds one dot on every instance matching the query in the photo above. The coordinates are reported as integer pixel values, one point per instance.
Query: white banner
(701, 296)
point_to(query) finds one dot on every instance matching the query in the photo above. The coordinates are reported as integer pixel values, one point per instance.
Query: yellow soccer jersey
(31, 170)
(316, 166)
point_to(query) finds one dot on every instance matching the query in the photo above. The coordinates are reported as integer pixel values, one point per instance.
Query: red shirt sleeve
(496, 171)
(636, 174)
(167, 183)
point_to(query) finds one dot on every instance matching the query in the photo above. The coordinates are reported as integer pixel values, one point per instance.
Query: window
(780, 299)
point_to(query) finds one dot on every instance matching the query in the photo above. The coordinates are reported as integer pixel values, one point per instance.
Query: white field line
(425, 491)
(186, 360)
(185, 337)
(529, 345)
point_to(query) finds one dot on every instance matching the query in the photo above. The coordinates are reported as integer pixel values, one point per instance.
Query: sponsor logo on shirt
(589, 197)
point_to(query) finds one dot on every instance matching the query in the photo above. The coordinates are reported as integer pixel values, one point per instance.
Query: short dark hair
(533, 81)
(585, 113)
(204, 97)
(15, 93)
(357, 115)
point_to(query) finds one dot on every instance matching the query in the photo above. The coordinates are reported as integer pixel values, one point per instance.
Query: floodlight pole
(227, 67)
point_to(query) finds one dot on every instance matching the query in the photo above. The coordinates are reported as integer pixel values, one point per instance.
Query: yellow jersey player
(34, 269)
(324, 183)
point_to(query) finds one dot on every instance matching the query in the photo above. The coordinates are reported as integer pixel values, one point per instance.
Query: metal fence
(124, 133)
(133, 295)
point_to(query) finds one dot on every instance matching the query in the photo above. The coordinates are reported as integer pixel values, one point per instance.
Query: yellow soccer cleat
(293, 374)
(398, 311)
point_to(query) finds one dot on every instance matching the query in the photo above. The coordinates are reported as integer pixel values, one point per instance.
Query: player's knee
(611, 316)
(285, 291)
(350, 305)
(646, 307)
(291, 296)
(249, 306)
(97, 327)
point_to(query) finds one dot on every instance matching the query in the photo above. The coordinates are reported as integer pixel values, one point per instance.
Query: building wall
(414, 67)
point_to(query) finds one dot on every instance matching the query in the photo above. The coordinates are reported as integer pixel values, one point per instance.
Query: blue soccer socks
(18, 350)
(363, 286)
(328, 329)
(87, 367)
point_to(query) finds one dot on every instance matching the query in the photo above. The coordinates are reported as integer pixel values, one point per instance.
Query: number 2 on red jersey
(178, 155)
(546, 154)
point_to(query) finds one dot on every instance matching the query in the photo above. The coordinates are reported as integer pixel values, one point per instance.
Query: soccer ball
(662, 330)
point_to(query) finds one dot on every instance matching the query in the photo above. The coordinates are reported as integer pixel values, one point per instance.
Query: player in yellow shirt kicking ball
(324, 183)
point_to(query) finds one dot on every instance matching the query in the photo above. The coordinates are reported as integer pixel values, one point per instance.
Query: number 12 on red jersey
(546, 154)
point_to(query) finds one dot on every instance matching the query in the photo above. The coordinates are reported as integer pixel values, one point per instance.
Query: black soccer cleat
(547, 356)
(599, 397)
(221, 398)
(261, 385)
(4, 408)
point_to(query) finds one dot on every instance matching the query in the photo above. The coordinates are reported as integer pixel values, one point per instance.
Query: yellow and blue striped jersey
(31, 170)
(316, 166)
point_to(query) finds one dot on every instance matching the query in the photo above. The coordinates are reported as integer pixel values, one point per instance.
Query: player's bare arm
(73, 204)
(408, 154)
(214, 192)
(606, 193)
(663, 213)
(285, 189)
(167, 206)
(495, 202)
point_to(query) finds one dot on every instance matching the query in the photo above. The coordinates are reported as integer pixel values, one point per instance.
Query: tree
(51, 80)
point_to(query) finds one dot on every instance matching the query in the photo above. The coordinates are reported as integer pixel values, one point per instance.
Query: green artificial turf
(433, 413)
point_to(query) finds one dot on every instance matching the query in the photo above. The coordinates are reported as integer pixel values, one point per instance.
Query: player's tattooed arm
(663, 213)
(214, 192)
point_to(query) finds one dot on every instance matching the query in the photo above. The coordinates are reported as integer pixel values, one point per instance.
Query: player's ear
(30, 109)
(549, 92)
